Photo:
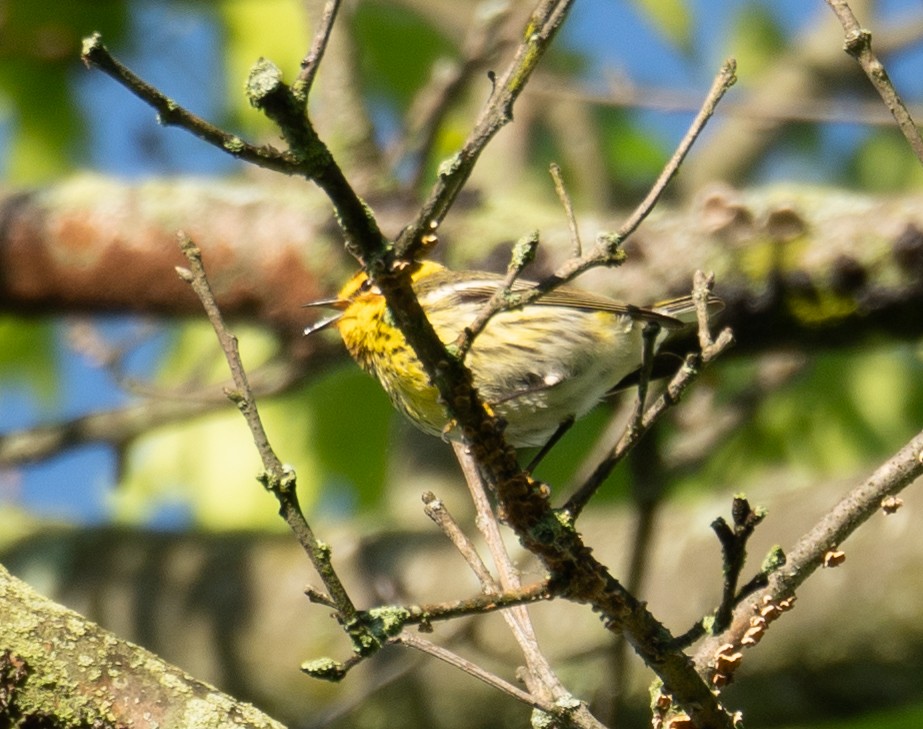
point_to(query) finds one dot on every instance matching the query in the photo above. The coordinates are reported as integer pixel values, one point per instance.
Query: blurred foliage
(844, 410)
(633, 155)
(206, 468)
(905, 717)
(254, 29)
(757, 40)
(399, 50)
(39, 44)
(27, 357)
(881, 164)
(671, 18)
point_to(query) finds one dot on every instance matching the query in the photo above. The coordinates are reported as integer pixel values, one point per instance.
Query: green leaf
(41, 45)
(671, 18)
(27, 355)
(399, 49)
(884, 163)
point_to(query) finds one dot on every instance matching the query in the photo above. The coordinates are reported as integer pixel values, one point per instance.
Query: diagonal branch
(169, 113)
(858, 44)
(453, 173)
(278, 478)
(311, 63)
(751, 617)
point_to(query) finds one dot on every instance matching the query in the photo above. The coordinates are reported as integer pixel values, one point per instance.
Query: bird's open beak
(340, 304)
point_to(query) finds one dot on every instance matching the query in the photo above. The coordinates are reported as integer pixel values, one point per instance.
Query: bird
(537, 366)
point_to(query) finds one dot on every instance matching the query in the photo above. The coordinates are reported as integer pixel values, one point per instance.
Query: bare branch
(277, 478)
(541, 678)
(858, 44)
(809, 553)
(311, 63)
(436, 511)
(448, 81)
(678, 385)
(169, 113)
(472, 669)
(541, 29)
(561, 190)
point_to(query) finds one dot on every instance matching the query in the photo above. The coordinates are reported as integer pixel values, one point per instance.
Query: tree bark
(56, 666)
(794, 265)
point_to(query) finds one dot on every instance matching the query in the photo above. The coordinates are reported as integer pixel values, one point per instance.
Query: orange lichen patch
(834, 558)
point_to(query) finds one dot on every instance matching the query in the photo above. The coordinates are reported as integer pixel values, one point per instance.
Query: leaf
(41, 44)
(27, 355)
(399, 49)
(671, 18)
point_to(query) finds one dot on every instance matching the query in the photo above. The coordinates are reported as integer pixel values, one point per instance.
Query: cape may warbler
(536, 367)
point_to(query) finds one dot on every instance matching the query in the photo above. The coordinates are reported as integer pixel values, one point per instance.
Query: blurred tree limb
(793, 264)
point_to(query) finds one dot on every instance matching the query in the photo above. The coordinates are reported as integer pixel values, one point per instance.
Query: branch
(579, 576)
(751, 618)
(678, 385)
(56, 664)
(453, 173)
(607, 250)
(311, 63)
(448, 82)
(277, 478)
(169, 113)
(539, 676)
(472, 669)
(858, 44)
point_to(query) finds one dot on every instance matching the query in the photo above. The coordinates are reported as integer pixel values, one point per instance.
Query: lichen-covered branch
(58, 667)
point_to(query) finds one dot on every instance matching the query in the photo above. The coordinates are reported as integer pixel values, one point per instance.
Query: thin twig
(734, 553)
(498, 599)
(502, 298)
(682, 101)
(606, 251)
(424, 117)
(542, 27)
(278, 478)
(723, 81)
(858, 44)
(561, 190)
(541, 679)
(854, 509)
(649, 334)
(638, 427)
(519, 621)
(472, 669)
(311, 63)
(169, 113)
(435, 510)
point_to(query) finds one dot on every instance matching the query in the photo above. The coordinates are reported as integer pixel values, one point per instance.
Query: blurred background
(127, 483)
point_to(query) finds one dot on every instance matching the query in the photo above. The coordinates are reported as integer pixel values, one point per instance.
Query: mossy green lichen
(325, 669)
